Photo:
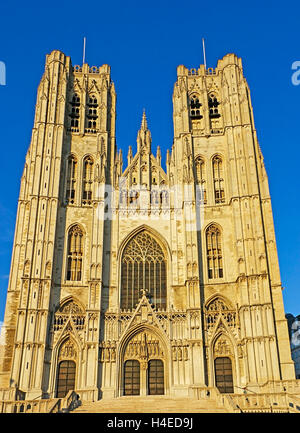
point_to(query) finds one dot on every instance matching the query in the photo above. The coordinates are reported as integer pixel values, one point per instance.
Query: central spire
(144, 125)
(144, 135)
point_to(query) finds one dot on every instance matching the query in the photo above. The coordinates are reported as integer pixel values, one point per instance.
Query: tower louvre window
(87, 178)
(74, 114)
(75, 254)
(92, 115)
(195, 107)
(218, 179)
(71, 179)
(200, 178)
(213, 106)
(214, 252)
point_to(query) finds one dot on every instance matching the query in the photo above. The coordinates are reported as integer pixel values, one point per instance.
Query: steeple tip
(144, 125)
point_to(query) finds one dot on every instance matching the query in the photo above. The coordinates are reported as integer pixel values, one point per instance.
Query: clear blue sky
(144, 42)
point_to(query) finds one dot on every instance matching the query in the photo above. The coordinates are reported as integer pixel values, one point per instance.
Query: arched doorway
(66, 368)
(143, 365)
(223, 374)
(65, 378)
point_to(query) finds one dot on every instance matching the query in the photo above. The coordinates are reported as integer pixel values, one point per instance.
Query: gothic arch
(70, 299)
(68, 347)
(67, 353)
(216, 296)
(68, 327)
(74, 252)
(87, 155)
(87, 178)
(213, 223)
(161, 241)
(143, 265)
(200, 156)
(217, 155)
(213, 104)
(213, 257)
(153, 337)
(154, 233)
(195, 105)
(221, 324)
(81, 226)
(224, 348)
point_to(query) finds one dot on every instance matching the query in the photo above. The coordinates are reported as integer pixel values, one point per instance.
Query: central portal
(144, 366)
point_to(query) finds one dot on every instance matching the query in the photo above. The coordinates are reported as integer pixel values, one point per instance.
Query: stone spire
(144, 125)
(144, 136)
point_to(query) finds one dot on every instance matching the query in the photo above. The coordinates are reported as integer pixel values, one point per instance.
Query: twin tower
(143, 281)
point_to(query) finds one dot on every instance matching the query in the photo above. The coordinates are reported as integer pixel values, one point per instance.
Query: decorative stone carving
(222, 347)
(69, 310)
(144, 346)
(68, 350)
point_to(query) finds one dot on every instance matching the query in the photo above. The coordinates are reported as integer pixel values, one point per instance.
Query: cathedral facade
(140, 280)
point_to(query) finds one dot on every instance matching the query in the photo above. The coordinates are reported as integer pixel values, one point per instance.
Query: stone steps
(158, 404)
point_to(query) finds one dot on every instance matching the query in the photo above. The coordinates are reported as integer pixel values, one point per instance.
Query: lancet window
(92, 115)
(75, 254)
(87, 180)
(213, 106)
(195, 107)
(74, 114)
(71, 179)
(218, 178)
(214, 252)
(201, 178)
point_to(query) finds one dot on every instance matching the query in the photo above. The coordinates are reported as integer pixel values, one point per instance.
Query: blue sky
(143, 42)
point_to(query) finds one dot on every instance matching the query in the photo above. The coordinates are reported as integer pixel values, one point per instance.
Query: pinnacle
(144, 125)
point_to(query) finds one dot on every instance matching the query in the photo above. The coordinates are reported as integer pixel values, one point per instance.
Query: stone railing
(266, 402)
(290, 386)
(51, 405)
(269, 402)
(70, 402)
(222, 400)
(30, 406)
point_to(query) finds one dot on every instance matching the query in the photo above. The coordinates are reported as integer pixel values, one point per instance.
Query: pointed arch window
(143, 267)
(87, 180)
(71, 179)
(214, 252)
(195, 107)
(74, 254)
(213, 104)
(218, 177)
(92, 115)
(201, 178)
(74, 114)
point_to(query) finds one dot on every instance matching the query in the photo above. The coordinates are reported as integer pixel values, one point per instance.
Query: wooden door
(132, 377)
(223, 372)
(155, 377)
(66, 378)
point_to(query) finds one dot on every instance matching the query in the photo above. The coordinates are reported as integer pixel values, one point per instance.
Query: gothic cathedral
(144, 280)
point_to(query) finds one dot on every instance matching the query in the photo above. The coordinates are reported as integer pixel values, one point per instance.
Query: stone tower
(141, 281)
